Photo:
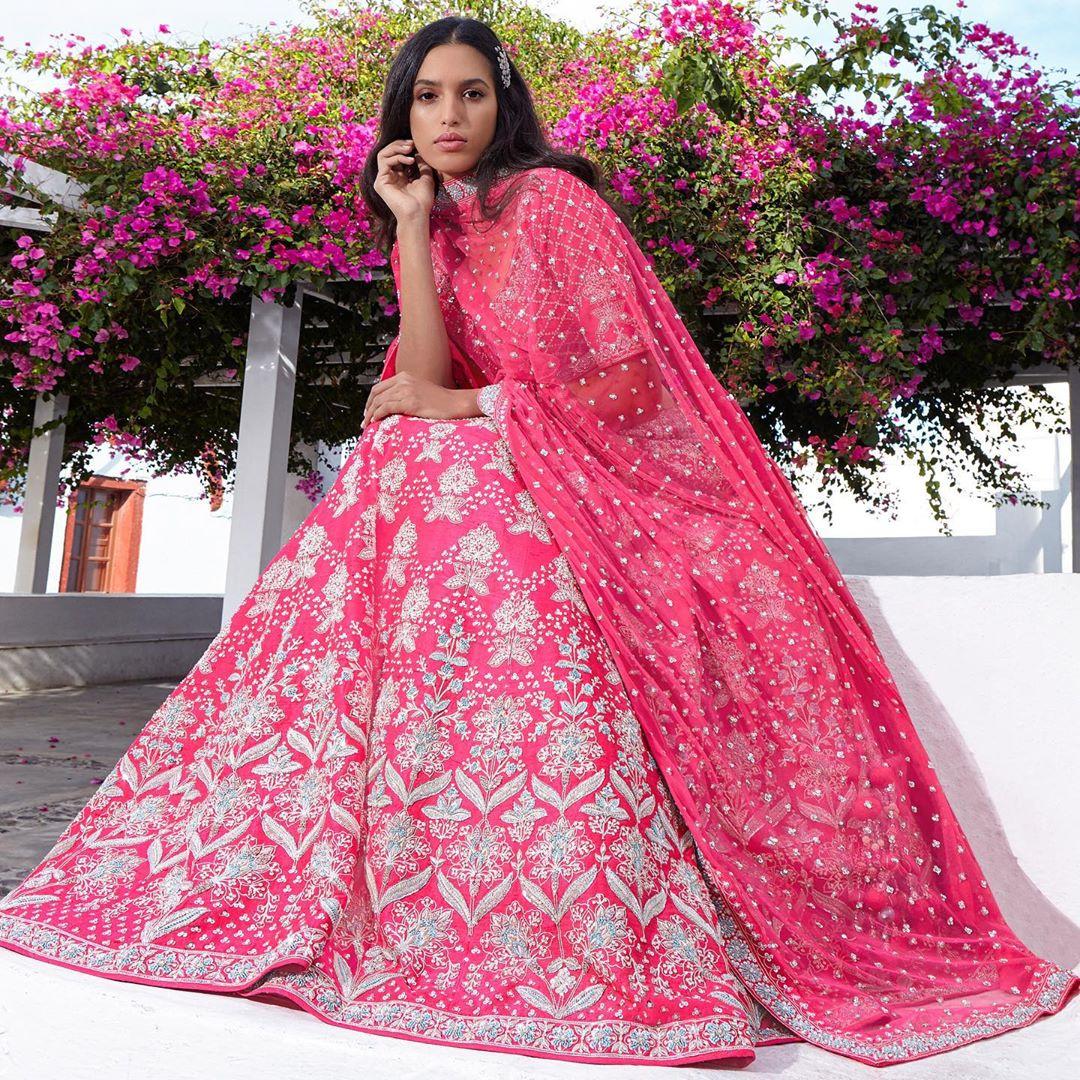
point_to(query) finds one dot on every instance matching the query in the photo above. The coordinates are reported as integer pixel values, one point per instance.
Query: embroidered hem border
(1052, 984)
(683, 1042)
(705, 1038)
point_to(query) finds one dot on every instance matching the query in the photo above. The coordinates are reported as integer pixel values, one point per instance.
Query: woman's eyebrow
(464, 82)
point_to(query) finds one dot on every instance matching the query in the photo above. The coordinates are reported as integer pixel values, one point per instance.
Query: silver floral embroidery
(413, 608)
(487, 396)
(514, 620)
(529, 520)
(454, 484)
(473, 560)
(403, 551)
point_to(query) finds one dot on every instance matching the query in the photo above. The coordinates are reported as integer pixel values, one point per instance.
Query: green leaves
(691, 76)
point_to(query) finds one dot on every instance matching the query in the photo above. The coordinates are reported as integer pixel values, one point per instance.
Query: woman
(554, 729)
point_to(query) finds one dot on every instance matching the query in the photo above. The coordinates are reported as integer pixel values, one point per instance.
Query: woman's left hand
(409, 394)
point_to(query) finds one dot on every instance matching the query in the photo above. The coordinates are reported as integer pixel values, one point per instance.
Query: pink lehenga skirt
(405, 790)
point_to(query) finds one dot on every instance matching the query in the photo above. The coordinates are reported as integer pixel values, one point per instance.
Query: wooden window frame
(123, 561)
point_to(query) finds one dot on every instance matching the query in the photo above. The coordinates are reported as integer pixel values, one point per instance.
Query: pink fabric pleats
(405, 789)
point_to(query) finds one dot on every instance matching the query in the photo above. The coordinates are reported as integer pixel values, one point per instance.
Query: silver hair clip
(504, 65)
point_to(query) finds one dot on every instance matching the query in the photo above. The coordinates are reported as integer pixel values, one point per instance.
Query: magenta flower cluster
(832, 252)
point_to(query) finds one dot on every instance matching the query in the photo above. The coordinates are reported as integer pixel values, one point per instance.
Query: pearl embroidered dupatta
(851, 903)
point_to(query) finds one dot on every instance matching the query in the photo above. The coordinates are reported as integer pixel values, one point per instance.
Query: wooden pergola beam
(45, 184)
(26, 217)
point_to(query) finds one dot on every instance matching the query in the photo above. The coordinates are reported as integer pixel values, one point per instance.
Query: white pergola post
(263, 444)
(39, 503)
(1053, 373)
(1074, 462)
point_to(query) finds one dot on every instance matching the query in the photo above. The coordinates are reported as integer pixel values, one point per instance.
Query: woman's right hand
(405, 197)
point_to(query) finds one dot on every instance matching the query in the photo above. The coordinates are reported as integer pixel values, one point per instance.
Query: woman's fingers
(381, 387)
(385, 408)
(396, 152)
(393, 158)
(389, 395)
(395, 147)
(377, 397)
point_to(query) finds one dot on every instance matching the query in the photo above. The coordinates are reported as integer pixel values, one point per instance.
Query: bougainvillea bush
(864, 237)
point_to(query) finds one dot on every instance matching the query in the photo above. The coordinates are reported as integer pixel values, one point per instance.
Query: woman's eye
(427, 93)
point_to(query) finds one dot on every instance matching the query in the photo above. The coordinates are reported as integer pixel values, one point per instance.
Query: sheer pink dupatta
(853, 907)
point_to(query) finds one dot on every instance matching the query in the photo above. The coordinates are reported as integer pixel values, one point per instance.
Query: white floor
(56, 1023)
(985, 667)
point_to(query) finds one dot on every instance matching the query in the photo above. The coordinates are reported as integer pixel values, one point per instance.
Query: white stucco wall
(184, 545)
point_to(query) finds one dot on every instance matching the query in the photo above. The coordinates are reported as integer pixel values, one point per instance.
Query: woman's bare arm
(421, 384)
(423, 346)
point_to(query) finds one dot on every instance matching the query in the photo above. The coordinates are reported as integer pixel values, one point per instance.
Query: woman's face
(453, 93)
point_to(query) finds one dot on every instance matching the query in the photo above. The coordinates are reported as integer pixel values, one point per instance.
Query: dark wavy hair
(519, 142)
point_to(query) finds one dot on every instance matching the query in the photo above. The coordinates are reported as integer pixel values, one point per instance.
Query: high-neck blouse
(458, 189)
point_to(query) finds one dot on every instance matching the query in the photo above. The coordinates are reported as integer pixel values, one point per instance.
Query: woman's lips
(447, 143)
